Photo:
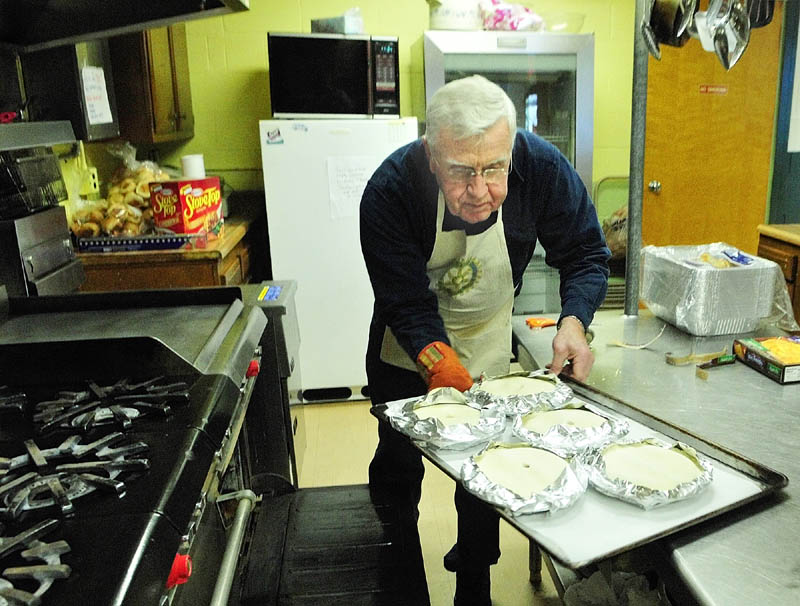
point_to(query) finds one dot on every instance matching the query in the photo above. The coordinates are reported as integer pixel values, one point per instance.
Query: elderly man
(448, 225)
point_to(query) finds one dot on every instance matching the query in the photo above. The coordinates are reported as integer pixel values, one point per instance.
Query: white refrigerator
(314, 174)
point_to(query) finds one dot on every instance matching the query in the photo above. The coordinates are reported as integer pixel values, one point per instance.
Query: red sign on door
(713, 89)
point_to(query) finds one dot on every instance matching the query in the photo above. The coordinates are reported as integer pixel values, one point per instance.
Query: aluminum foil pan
(700, 289)
(562, 493)
(568, 440)
(521, 404)
(645, 497)
(460, 436)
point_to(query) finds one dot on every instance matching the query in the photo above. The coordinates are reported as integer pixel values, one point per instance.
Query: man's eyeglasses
(464, 175)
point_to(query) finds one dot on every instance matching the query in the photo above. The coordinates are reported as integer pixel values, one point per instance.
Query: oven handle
(247, 501)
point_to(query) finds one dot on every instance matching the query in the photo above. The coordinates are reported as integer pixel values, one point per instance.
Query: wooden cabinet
(224, 262)
(781, 243)
(151, 82)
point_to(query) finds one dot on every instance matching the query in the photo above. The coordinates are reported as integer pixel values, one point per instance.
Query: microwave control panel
(386, 76)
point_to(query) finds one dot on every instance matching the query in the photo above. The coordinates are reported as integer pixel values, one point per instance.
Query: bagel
(143, 189)
(134, 199)
(127, 185)
(87, 229)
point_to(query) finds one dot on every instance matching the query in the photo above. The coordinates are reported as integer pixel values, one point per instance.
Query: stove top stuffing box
(119, 418)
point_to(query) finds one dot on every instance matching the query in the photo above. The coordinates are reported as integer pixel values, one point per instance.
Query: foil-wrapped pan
(489, 423)
(562, 492)
(637, 493)
(570, 438)
(556, 396)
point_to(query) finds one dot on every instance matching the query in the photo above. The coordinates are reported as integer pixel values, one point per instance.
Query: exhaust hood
(29, 25)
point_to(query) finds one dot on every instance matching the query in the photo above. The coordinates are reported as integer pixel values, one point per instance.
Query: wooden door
(708, 142)
(162, 91)
(180, 78)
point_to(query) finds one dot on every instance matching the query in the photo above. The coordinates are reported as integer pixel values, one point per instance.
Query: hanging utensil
(721, 47)
(731, 33)
(739, 24)
(669, 20)
(760, 12)
(686, 17)
(649, 36)
(718, 21)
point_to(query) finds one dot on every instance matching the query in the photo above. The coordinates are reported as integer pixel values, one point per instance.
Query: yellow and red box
(776, 357)
(188, 206)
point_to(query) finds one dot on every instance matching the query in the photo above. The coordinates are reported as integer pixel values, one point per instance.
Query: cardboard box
(776, 357)
(343, 24)
(188, 206)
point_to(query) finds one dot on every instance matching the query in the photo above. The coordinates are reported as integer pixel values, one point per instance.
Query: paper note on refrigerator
(347, 178)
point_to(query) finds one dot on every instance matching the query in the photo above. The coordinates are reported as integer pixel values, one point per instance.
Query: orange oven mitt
(440, 367)
(534, 323)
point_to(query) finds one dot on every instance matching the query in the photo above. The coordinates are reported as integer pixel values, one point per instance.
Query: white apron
(471, 276)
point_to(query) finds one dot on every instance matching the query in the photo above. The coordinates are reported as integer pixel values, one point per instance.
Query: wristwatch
(558, 326)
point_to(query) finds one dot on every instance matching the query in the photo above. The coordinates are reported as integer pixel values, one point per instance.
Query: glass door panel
(542, 87)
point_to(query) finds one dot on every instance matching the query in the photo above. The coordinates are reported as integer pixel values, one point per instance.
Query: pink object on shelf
(499, 15)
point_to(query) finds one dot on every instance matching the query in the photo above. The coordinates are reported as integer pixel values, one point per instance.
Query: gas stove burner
(43, 574)
(11, 401)
(54, 478)
(119, 404)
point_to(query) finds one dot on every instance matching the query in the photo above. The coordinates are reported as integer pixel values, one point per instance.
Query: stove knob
(181, 570)
(253, 369)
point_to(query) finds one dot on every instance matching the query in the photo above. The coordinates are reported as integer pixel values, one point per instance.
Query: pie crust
(523, 470)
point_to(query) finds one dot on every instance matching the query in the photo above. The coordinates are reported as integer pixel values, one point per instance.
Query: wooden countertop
(234, 229)
(787, 232)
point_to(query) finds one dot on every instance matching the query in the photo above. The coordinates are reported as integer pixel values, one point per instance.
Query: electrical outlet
(90, 183)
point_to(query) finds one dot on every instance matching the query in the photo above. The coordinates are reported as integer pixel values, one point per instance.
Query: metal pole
(636, 189)
(227, 568)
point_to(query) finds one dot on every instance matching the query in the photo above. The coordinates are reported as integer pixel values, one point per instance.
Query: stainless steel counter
(750, 555)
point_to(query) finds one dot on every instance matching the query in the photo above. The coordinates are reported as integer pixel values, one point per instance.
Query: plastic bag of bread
(86, 218)
(130, 183)
(101, 218)
(128, 209)
(615, 229)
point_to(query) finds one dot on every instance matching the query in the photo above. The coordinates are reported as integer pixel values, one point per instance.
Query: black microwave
(333, 76)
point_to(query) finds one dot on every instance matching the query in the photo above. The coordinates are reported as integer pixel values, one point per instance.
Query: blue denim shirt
(546, 201)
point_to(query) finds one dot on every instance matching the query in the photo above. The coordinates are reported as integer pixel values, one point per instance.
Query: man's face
(459, 165)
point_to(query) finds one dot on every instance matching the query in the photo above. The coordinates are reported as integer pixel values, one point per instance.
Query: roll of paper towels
(193, 167)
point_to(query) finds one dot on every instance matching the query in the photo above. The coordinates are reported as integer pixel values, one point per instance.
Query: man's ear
(428, 153)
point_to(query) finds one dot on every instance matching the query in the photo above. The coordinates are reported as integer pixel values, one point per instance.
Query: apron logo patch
(462, 276)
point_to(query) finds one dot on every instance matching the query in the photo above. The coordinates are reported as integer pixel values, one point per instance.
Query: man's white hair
(468, 107)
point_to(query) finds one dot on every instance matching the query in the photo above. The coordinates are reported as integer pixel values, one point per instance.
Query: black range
(111, 442)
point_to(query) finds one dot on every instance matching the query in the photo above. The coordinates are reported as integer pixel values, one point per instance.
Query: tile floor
(340, 440)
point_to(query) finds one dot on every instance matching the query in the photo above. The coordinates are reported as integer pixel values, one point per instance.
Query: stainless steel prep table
(750, 555)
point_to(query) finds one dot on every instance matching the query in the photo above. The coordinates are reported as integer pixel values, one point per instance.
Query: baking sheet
(597, 527)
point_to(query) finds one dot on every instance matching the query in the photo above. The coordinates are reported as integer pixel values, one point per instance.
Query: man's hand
(570, 344)
(440, 367)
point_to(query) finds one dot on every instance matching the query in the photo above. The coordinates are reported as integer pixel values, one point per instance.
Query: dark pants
(396, 471)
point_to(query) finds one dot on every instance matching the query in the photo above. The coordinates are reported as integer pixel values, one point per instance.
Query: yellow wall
(229, 78)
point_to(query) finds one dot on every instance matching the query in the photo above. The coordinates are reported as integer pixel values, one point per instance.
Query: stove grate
(33, 550)
(118, 404)
(54, 478)
(12, 400)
